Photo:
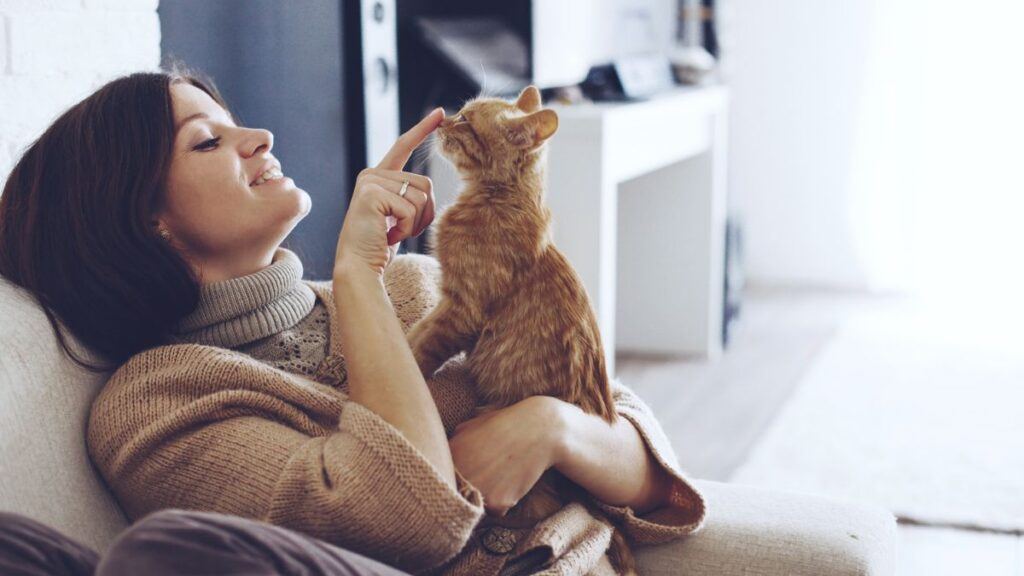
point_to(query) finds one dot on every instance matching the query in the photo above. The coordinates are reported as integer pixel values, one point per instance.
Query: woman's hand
(504, 452)
(378, 218)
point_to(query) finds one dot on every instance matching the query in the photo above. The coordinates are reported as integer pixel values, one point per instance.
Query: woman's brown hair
(77, 219)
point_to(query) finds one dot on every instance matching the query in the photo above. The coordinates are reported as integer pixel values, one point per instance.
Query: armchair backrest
(45, 472)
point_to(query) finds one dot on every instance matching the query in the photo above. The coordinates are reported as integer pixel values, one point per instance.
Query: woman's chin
(291, 202)
(305, 202)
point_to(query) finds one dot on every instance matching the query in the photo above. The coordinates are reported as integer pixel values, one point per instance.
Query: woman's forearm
(382, 373)
(611, 461)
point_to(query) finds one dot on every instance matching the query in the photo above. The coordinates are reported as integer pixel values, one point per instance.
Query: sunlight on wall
(875, 144)
(939, 202)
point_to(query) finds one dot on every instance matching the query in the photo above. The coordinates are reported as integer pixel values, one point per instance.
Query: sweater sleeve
(352, 480)
(366, 487)
(686, 508)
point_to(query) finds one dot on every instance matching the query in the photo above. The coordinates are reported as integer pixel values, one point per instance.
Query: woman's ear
(160, 227)
(533, 129)
(529, 99)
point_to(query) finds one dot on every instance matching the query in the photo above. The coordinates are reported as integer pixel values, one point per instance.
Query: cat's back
(487, 232)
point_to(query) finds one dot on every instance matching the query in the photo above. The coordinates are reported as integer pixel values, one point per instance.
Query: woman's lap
(179, 542)
(189, 542)
(29, 548)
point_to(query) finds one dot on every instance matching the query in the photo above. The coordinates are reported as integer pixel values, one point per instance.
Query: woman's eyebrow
(195, 116)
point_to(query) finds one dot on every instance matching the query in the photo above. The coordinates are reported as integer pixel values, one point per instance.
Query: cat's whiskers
(483, 70)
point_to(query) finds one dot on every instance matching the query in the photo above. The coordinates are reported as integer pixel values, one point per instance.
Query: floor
(715, 412)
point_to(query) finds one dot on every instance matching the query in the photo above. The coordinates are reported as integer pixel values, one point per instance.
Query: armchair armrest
(750, 530)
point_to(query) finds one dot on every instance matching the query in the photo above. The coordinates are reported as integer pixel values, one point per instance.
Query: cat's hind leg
(441, 334)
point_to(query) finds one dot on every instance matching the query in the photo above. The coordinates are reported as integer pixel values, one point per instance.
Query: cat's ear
(532, 129)
(529, 99)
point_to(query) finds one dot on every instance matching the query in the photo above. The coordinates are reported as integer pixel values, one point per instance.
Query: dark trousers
(178, 542)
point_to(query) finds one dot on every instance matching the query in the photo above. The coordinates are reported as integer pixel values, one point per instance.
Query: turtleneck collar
(248, 308)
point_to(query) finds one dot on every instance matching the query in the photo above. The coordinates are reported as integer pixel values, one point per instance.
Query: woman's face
(224, 224)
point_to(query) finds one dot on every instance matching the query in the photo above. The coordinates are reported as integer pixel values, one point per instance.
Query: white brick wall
(53, 53)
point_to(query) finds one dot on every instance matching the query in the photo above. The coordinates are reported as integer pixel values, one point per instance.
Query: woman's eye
(211, 143)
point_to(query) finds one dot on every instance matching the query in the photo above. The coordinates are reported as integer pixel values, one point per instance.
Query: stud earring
(165, 234)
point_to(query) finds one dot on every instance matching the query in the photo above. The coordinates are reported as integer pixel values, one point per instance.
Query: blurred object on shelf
(693, 65)
(694, 57)
(629, 78)
(697, 25)
(565, 95)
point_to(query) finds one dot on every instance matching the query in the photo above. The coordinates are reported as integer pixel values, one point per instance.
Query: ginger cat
(509, 296)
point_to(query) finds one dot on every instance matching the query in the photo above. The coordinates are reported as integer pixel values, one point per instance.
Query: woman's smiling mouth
(268, 175)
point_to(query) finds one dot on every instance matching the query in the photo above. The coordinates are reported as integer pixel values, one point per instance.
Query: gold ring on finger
(405, 188)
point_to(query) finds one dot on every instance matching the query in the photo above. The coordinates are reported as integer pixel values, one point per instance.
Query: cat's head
(493, 135)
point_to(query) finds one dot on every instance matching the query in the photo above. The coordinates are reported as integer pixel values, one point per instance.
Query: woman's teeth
(272, 174)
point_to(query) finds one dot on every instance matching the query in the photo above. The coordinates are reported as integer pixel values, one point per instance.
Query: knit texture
(299, 349)
(202, 427)
(251, 307)
(238, 313)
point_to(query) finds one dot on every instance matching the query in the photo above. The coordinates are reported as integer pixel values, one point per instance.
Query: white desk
(638, 197)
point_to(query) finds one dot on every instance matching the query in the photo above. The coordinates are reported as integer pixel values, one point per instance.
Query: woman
(149, 222)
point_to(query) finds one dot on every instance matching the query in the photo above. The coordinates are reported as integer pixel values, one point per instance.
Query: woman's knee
(28, 547)
(187, 542)
(181, 542)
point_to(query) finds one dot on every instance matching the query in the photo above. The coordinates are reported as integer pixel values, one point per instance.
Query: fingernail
(438, 108)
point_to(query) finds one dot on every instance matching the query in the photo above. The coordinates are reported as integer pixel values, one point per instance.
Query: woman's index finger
(399, 153)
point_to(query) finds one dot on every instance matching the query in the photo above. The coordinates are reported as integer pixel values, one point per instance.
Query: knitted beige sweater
(200, 427)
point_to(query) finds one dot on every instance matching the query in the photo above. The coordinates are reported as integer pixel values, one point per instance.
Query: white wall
(876, 144)
(55, 52)
(795, 68)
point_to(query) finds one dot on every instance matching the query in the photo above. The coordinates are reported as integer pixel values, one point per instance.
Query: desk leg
(670, 255)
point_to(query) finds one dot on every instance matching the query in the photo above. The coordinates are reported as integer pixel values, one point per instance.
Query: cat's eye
(460, 118)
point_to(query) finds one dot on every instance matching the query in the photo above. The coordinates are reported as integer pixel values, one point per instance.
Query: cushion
(752, 530)
(45, 398)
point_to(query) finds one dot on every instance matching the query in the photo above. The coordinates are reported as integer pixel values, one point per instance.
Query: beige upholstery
(44, 399)
(752, 530)
(46, 475)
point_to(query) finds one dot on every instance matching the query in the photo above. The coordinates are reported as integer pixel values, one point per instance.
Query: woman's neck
(226, 267)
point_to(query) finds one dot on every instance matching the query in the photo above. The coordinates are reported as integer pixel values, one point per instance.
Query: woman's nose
(262, 139)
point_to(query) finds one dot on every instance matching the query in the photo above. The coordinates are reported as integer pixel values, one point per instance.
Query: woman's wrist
(354, 274)
(564, 422)
(611, 461)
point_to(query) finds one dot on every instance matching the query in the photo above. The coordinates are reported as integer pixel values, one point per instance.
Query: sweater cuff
(454, 511)
(685, 511)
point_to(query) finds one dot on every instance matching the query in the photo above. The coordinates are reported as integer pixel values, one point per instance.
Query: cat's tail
(597, 389)
(620, 554)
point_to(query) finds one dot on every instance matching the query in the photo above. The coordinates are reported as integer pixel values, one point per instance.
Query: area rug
(911, 412)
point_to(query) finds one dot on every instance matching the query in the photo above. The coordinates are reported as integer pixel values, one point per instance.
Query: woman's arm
(628, 468)
(382, 373)
(610, 461)
(207, 431)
